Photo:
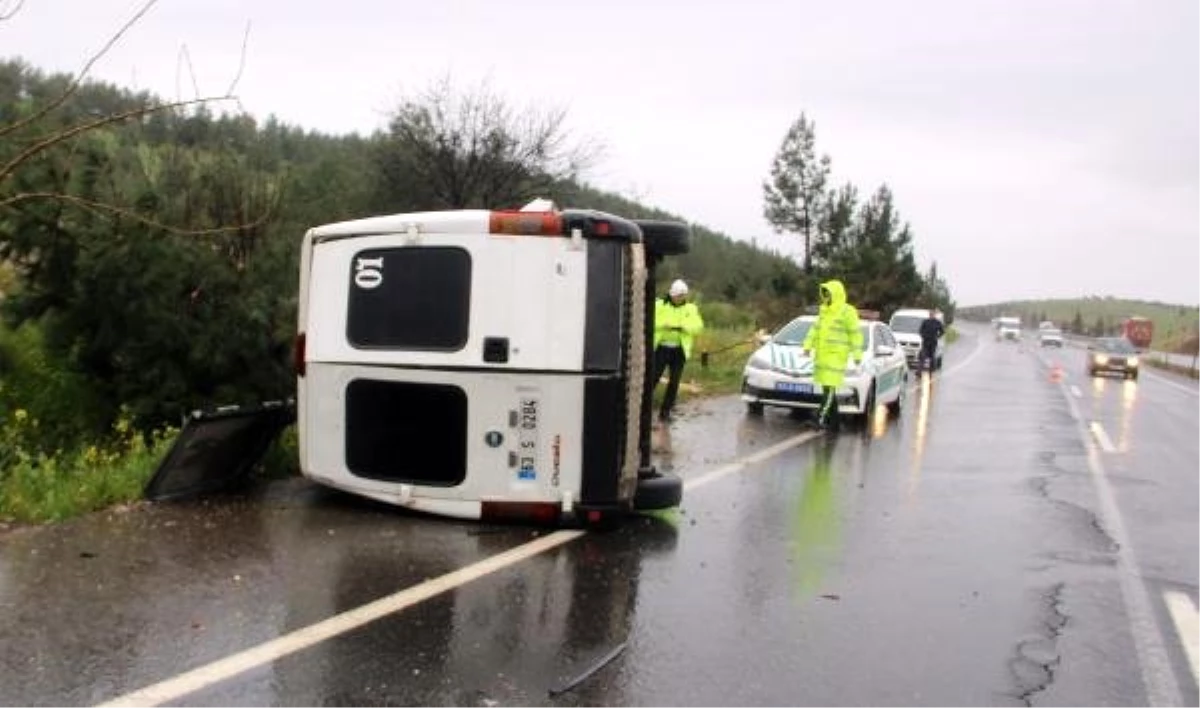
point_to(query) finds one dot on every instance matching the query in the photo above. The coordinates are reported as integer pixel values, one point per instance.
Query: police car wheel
(867, 417)
(896, 407)
(659, 492)
(665, 238)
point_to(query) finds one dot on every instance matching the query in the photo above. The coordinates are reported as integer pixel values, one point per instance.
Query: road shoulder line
(1187, 625)
(1149, 645)
(1101, 436)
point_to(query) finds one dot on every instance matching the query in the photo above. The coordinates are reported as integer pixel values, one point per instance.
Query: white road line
(1153, 660)
(1076, 392)
(1187, 624)
(204, 676)
(962, 364)
(1102, 437)
(757, 457)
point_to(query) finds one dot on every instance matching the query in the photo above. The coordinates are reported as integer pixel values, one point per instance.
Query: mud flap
(217, 449)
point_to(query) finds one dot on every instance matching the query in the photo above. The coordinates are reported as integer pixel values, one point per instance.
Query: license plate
(791, 387)
(527, 439)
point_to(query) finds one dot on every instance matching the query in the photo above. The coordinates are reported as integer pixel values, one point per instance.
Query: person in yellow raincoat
(833, 341)
(676, 324)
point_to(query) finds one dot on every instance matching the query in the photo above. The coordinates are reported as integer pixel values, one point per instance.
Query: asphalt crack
(1100, 538)
(1036, 658)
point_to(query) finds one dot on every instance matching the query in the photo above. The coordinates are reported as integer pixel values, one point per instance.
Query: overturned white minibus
(483, 364)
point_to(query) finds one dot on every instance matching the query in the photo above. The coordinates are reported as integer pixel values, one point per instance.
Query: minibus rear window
(409, 298)
(400, 431)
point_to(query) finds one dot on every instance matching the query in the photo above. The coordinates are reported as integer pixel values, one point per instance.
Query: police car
(483, 364)
(779, 374)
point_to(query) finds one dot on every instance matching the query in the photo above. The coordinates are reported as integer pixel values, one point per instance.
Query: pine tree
(794, 195)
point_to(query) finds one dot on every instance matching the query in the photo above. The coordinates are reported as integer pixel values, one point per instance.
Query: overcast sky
(1038, 148)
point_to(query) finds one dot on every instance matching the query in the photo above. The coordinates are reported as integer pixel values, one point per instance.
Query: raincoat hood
(836, 291)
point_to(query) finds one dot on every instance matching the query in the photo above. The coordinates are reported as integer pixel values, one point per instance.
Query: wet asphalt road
(991, 547)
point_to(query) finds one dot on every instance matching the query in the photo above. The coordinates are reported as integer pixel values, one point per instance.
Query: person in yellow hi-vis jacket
(676, 324)
(833, 340)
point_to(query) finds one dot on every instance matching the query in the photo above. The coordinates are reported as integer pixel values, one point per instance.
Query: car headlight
(1100, 358)
(758, 361)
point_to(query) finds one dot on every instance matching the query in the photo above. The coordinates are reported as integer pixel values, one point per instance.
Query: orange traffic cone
(1056, 372)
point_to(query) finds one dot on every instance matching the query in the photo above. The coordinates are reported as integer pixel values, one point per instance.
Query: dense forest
(148, 249)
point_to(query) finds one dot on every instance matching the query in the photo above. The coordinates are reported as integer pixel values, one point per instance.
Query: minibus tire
(665, 238)
(659, 492)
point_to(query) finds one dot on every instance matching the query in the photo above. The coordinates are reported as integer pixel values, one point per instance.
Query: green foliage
(177, 293)
(728, 349)
(723, 315)
(50, 486)
(46, 389)
(874, 259)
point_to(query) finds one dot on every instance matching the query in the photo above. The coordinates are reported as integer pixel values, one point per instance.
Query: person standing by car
(931, 331)
(833, 340)
(676, 324)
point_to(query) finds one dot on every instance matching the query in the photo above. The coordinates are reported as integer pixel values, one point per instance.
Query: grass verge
(37, 487)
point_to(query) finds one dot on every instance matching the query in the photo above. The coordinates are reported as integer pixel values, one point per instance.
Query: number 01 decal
(368, 272)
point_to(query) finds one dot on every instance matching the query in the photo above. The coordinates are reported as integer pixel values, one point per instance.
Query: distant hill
(1176, 327)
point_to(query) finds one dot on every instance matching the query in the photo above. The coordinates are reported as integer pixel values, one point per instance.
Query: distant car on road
(1113, 355)
(1008, 329)
(906, 327)
(1049, 337)
(778, 373)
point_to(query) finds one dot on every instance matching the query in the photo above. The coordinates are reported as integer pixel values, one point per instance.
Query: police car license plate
(527, 439)
(792, 387)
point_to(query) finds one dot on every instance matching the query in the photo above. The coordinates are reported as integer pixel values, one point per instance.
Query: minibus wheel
(661, 491)
(665, 238)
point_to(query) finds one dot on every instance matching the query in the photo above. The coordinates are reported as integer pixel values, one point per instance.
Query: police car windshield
(906, 324)
(794, 332)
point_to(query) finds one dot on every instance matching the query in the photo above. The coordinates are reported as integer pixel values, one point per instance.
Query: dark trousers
(827, 414)
(672, 358)
(928, 348)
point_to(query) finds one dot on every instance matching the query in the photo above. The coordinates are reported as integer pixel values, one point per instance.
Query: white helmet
(678, 288)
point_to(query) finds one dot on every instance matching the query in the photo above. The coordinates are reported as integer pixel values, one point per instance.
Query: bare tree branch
(16, 8)
(110, 210)
(32, 150)
(472, 149)
(241, 62)
(185, 57)
(78, 80)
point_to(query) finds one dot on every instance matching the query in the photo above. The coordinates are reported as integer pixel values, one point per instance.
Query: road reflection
(506, 638)
(815, 524)
(1129, 394)
(924, 396)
